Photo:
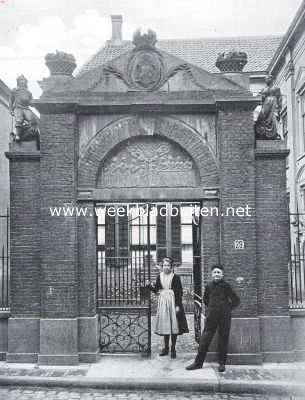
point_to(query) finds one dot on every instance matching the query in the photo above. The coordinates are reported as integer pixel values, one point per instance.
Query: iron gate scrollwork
(123, 267)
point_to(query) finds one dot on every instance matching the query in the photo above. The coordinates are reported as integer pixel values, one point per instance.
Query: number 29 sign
(239, 244)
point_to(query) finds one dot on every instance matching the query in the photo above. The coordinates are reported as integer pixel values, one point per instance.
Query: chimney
(116, 21)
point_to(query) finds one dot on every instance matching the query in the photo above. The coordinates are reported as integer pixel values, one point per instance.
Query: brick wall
(237, 189)
(24, 235)
(272, 228)
(58, 240)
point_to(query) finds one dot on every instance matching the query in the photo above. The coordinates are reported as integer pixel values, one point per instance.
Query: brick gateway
(146, 127)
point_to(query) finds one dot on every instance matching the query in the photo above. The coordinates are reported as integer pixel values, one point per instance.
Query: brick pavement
(36, 393)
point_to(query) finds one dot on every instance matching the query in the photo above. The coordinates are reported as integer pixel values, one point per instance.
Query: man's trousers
(219, 320)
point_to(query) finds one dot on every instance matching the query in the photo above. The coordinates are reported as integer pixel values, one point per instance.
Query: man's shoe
(164, 352)
(193, 366)
(221, 368)
(173, 354)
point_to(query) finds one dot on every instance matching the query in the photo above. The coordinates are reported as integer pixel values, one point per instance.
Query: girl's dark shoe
(173, 354)
(164, 352)
(221, 368)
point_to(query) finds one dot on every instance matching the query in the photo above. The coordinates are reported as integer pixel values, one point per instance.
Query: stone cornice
(23, 156)
(130, 108)
(153, 194)
(271, 149)
(236, 104)
(135, 102)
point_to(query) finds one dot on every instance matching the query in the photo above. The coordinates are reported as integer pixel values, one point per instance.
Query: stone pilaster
(88, 322)
(237, 205)
(59, 267)
(272, 226)
(25, 305)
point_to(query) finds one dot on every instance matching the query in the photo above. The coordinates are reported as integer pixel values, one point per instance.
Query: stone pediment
(152, 70)
(148, 69)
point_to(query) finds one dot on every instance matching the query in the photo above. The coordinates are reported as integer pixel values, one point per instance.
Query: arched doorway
(160, 163)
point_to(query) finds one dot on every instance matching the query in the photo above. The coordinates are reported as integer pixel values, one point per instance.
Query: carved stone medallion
(145, 70)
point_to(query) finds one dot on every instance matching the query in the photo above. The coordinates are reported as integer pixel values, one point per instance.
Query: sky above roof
(29, 29)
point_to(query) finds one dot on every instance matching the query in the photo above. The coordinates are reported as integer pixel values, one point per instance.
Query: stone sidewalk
(162, 374)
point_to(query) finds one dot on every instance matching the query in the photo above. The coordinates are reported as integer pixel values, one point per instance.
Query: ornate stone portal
(148, 162)
(143, 137)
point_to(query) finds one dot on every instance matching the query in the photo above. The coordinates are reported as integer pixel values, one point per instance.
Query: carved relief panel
(148, 162)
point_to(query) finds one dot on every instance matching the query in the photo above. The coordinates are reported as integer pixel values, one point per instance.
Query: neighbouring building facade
(6, 127)
(288, 69)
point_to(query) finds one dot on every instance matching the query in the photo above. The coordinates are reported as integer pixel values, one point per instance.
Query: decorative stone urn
(232, 61)
(60, 63)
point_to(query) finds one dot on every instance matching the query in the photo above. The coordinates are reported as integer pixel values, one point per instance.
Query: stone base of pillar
(3, 334)
(23, 340)
(244, 342)
(89, 358)
(299, 355)
(58, 342)
(276, 338)
(88, 346)
(298, 329)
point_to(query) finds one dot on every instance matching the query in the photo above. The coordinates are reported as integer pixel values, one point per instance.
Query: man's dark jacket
(219, 296)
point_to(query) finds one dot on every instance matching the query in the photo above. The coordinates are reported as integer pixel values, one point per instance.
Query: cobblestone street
(26, 393)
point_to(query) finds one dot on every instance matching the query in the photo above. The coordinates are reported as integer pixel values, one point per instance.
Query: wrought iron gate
(132, 240)
(296, 267)
(4, 261)
(123, 267)
(197, 276)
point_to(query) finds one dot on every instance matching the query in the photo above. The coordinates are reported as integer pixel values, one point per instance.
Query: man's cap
(218, 266)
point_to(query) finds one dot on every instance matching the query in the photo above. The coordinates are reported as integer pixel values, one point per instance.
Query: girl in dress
(170, 318)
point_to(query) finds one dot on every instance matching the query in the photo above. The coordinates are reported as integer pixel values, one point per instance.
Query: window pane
(100, 215)
(187, 254)
(176, 254)
(186, 214)
(176, 231)
(161, 231)
(101, 235)
(186, 234)
(153, 215)
(135, 238)
(161, 253)
(153, 236)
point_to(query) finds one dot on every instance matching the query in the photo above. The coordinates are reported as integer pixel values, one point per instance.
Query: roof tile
(199, 52)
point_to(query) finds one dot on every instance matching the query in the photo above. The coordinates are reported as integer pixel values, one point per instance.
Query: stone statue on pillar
(26, 122)
(266, 116)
